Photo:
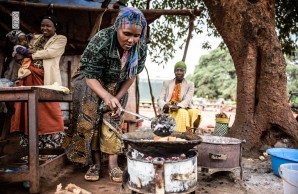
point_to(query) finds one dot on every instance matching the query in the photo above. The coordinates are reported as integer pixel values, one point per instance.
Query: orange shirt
(176, 95)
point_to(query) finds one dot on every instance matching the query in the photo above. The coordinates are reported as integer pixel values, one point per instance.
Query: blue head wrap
(131, 16)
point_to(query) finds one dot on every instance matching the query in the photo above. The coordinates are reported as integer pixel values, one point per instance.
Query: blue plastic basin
(281, 156)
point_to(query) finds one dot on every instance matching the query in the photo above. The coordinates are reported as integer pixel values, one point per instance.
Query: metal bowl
(160, 148)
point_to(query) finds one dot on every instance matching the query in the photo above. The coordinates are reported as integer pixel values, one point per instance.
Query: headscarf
(14, 35)
(180, 64)
(55, 21)
(131, 16)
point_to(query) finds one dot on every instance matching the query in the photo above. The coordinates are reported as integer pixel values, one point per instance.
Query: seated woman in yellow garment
(176, 99)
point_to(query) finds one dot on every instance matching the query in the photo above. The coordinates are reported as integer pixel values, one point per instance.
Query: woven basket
(221, 126)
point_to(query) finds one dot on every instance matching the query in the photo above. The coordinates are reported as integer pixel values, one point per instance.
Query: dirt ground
(258, 176)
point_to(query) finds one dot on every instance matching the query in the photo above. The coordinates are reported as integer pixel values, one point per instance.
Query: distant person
(21, 44)
(20, 41)
(176, 99)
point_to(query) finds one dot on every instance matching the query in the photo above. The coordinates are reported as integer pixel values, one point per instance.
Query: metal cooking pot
(160, 148)
(220, 152)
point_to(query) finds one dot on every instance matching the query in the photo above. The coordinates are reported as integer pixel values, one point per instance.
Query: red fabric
(49, 113)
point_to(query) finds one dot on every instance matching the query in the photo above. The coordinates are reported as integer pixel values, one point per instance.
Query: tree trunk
(263, 115)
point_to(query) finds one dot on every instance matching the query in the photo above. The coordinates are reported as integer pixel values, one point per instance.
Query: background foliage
(215, 75)
(167, 31)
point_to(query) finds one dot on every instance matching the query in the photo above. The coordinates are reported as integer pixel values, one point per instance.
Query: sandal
(116, 175)
(92, 173)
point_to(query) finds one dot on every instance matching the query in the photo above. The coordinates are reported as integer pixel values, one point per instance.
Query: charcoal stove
(220, 153)
(161, 167)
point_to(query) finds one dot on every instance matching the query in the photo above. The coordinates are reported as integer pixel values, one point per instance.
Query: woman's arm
(106, 97)
(54, 49)
(22, 50)
(124, 87)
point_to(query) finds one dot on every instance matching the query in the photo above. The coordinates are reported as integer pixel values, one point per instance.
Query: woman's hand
(31, 51)
(174, 108)
(170, 108)
(166, 108)
(111, 101)
(113, 104)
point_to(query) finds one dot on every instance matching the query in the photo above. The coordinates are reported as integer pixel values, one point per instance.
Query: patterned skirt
(87, 131)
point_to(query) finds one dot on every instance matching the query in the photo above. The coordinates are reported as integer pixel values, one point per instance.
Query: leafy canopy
(215, 77)
(167, 31)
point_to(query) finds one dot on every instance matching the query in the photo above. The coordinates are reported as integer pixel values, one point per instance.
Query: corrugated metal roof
(85, 3)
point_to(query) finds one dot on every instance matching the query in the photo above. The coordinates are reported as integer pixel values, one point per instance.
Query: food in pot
(163, 125)
(169, 138)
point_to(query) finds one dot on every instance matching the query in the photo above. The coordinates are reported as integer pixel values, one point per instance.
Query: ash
(219, 140)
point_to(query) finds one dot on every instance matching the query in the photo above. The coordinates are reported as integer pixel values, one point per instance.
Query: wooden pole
(105, 3)
(4, 26)
(96, 26)
(151, 92)
(194, 12)
(148, 4)
(190, 29)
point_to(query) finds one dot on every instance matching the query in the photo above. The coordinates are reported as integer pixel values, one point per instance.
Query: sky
(194, 53)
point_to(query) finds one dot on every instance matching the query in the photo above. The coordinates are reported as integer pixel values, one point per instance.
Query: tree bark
(263, 115)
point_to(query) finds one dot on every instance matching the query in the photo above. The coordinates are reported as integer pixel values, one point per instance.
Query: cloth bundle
(24, 71)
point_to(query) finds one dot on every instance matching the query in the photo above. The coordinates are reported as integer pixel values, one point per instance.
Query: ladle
(138, 115)
(162, 127)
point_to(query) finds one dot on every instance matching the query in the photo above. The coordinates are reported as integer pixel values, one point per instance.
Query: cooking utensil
(162, 125)
(220, 152)
(144, 143)
(137, 115)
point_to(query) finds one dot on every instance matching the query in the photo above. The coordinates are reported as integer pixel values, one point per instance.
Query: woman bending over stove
(109, 65)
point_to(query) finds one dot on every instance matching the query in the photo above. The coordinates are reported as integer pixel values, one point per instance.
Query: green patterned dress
(87, 132)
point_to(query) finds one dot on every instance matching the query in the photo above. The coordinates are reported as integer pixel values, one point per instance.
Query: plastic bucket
(289, 174)
(281, 156)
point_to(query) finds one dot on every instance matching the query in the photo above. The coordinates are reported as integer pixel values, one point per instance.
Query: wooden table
(32, 95)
